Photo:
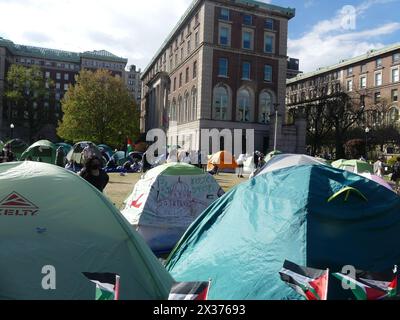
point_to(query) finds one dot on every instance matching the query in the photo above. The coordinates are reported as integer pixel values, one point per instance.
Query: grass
(120, 187)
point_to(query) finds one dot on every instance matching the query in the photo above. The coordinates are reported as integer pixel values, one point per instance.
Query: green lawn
(120, 187)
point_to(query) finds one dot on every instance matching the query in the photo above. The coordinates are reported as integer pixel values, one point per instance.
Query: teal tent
(105, 148)
(76, 153)
(313, 215)
(120, 158)
(43, 150)
(66, 147)
(18, 146)
(52, 217)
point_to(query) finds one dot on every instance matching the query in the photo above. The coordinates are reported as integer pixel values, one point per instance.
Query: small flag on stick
(190, 291)
(107, 285)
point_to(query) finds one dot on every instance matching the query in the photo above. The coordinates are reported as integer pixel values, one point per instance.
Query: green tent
(106, 149)
(18, 146)
(43, 149)
(52, 217)
(313, 215)
(120, 158)
(270, 155)
(355, 166)
(76, 153)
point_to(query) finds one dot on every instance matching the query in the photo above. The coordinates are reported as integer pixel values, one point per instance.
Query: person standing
(60, 157)
(379, 167)
(240, 161)
(6, 154)
(396, 174)
(94, 174)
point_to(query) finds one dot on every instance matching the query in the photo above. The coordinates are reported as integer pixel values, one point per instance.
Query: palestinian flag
(129, 147)
(371, 285)
(308, 282)
(107, 285)
(189, 291)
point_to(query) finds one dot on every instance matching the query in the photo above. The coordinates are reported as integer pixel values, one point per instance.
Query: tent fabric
(75, 154)
(287, 160)
(43, 149)
(67, 147)
(377, 179)
(167, 200)
(106, 149)
(270, 155)
(18, 146)
(242, 240)
(222, 159)
(68, 224)
(355, 166)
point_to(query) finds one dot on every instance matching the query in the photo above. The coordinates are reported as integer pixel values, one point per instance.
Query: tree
(98, 108)
(25, 93)
(355, 148)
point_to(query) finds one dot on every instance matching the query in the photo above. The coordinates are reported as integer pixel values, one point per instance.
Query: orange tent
(222, 159)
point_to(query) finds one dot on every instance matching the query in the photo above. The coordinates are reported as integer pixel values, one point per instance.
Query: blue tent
(313, 215)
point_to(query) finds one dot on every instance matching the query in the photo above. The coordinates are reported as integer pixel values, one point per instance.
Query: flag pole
(327, 284)
(116, 295)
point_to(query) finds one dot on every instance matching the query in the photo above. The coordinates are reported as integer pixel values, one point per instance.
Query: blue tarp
(242, 239)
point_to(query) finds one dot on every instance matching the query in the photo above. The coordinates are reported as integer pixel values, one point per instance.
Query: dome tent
(75, 154)
(167, 200)
(66, 147)
(18, 146)
(43, 149)
(356, 166)
(300, 214)
(68, 224)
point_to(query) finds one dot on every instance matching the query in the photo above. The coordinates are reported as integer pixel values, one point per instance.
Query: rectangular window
(66, 76)
(224, 14)
(195, 69)
(350, 71)
(182, 54)
(176, 59)
(223, 67)
(58, 76)
(377, 97)
(58, 96)
(363, 68)
(170, 64)
(188, 47)
(196, 39)
(187, 75)
(267, 73)
(395, 75)
(246, 70)
(247, 39)
(224, 36)
(378, 79)
(66, 86)
(58, 86)
(395, 93)
(180, 79)
(379, 62)
(363, 82)
(247, 19)
(268, 44)
(396, 57)
(269, 24)
(174, 83)
(349, 85)
(47, 75)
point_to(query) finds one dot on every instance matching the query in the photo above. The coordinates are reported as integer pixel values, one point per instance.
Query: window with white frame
(224, 35)
(363, 82)
(247, 38)
(267, 73)
(58, 76)
(265, 107)
(349, 85)
(378, 79)
(244, 106)
(268, 43)
(395, 75)
(221, 101)
(66, 76)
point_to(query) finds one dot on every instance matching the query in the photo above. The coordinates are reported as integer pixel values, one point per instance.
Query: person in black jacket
(94, 174)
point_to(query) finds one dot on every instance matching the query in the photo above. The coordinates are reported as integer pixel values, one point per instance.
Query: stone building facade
(222, 67)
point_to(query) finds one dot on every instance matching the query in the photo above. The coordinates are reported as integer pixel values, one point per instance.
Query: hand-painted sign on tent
(167, 200)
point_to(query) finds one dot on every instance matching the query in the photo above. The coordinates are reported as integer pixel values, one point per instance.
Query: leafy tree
(98, 108)
(25, 94)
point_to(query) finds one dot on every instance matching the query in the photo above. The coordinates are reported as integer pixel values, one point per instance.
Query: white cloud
(329, 41)
(132, 29)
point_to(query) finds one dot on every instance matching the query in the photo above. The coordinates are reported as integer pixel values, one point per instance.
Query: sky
(322, 32)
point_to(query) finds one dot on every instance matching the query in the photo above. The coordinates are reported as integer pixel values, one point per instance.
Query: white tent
(167, 200)
(287, 160)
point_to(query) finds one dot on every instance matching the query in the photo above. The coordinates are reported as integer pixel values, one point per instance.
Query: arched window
(194, 104)
(394, 115)
(186, 108)
(265, 107)
(180, 110)
(221, 100)
(244, 105)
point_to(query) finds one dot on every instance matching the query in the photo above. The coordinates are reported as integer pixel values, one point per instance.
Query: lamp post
(276, 105)
(12, 130)
(366, 141)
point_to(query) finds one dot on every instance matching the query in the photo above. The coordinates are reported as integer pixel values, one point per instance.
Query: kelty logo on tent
(16, 205)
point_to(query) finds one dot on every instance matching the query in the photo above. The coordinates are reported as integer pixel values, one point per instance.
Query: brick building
(133, 83)
(373, 78)
(59, 66)
(223, 66)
